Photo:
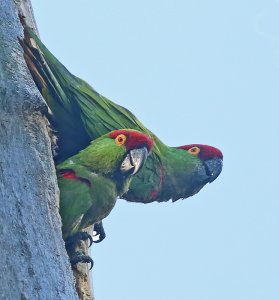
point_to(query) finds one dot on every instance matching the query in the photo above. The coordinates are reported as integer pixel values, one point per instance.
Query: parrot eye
(120, 139)
(194, 150)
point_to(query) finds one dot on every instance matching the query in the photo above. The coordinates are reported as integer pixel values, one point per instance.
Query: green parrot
(80, 114)
(91, 180)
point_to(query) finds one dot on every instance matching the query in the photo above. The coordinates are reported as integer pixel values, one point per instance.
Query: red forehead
(207, 152)
(135, 139)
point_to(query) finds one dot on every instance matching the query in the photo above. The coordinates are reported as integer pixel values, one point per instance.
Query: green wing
(85, 197)
(79, 111)
(80, 114)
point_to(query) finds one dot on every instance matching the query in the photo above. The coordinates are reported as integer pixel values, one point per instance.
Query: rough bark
(82, 274)
(33, 260)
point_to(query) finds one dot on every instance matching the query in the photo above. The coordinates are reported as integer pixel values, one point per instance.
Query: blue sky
(193, 72)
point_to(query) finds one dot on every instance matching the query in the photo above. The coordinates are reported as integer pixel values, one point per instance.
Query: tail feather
(80, 113)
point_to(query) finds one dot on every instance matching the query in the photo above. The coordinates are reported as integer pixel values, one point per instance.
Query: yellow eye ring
(120, 139)
(194, 150)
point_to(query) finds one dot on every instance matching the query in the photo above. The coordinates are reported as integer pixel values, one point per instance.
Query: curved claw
(90, 240)
(92, 264)
(81, 258)
(101, 237)
(79, 236)
(99, 229)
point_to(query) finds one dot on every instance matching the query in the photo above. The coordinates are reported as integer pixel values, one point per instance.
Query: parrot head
(137, 147)
(211, 157)
(208, 165)
(119, 155)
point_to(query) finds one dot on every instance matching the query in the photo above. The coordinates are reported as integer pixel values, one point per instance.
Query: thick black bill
(213, 168)
(133, 161)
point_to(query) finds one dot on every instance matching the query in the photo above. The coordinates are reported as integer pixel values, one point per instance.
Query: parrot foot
(80, 257)
(79, 236)
(99, 231)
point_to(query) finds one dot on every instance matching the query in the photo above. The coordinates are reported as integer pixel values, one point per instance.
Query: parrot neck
(122, 185)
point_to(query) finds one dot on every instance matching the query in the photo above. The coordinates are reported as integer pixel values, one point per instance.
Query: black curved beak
(213, 168)
(133, 161)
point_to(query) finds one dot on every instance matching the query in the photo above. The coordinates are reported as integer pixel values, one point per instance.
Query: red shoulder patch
(68, 174)
(71, 175)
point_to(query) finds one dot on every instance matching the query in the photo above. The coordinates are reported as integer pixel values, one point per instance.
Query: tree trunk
(33, 260)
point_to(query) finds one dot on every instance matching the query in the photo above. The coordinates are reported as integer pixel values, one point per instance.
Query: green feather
(89, 184)
(80, 114)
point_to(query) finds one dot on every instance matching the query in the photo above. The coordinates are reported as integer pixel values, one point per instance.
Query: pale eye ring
(120, 139)
(194, 150)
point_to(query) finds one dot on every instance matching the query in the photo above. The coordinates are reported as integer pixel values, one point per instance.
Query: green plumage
(80, 114)
(82, 205)
(90, 182)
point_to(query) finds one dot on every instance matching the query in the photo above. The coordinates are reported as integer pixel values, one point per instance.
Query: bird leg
(72, 240)
(99, 231)
(73, 244)
(80, 257)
